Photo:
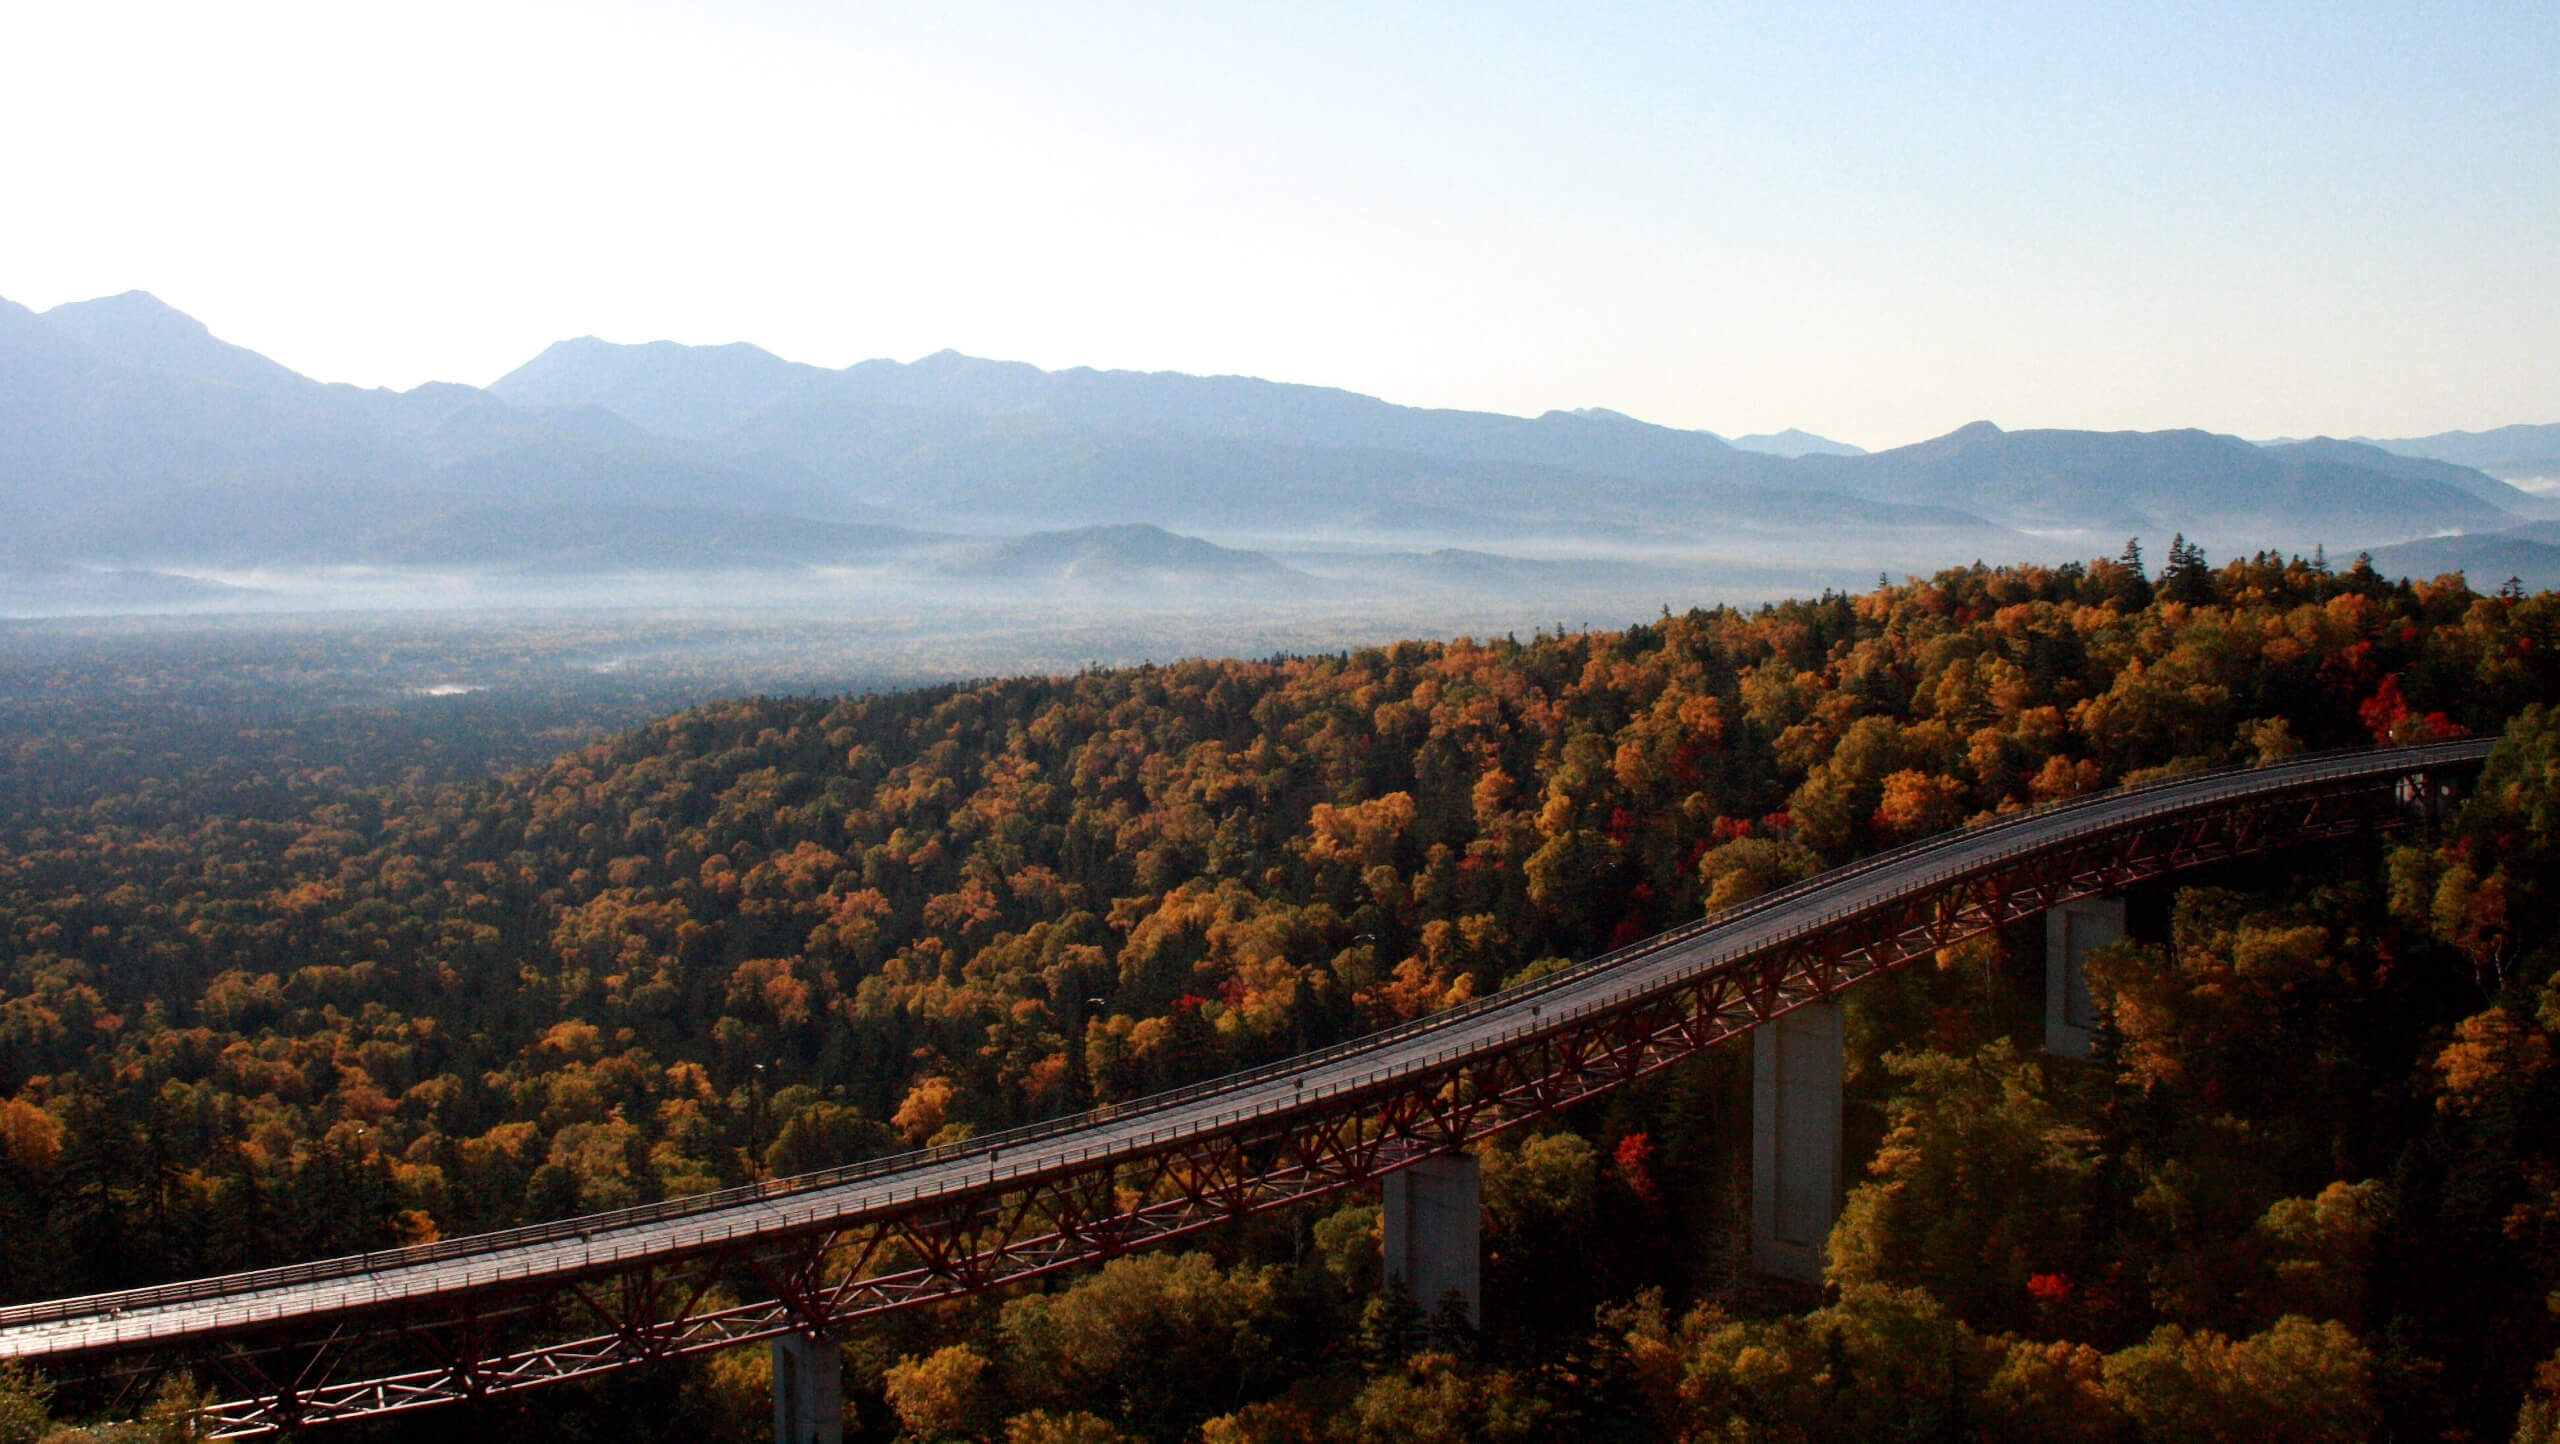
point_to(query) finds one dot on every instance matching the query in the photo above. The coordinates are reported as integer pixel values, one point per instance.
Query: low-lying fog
(625, 644)
(1380, 586)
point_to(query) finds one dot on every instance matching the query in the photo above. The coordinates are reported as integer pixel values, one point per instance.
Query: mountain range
(2529, 454)
(130, 436)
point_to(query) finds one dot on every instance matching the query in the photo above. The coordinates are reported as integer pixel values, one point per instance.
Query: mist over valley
(148, 466)
(1525, 725)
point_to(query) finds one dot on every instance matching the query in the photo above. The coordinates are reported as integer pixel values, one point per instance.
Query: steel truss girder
(848, 1270)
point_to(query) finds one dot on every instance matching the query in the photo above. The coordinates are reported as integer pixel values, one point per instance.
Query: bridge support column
(808, 1390)
(1795, 1141)
(2431, 795)
(2072, 932)
(1434, 1223)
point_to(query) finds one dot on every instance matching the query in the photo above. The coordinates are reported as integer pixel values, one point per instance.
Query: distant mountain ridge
(675, 390)
(131, 436)
(1107, 556)
(2529, 553)
(137, 329)
(1793, 442)
(2145, 481)
(665, 388)
(2510, 453)
(2040, 480)
(124, 417)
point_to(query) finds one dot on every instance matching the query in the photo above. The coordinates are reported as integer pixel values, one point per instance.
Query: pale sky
(1873, 222)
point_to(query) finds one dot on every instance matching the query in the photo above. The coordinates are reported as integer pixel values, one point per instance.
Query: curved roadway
(158, 1317)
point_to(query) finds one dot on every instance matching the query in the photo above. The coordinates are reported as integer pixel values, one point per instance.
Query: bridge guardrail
(2281, 776)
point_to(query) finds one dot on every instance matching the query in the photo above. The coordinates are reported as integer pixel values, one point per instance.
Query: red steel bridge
(474, 1317)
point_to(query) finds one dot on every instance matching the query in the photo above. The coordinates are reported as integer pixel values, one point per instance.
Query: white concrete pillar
(1434, 1227)
(808, 1390)
(2072, 932)
(1795, 1141)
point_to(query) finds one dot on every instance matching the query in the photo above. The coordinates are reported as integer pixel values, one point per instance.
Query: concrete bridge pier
(2432, 796)
(2072, 932)
(1795, 1141)
(1434, 1227)
(808, 1390)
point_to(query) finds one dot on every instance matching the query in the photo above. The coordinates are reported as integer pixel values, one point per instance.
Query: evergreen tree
(2188, 578)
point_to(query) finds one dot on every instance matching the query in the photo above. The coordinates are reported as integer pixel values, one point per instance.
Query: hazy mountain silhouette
(1118, 556)
(130, 435)
(2369, 456)
(123, 414)
(635, 382)
(138, 329)
(674, 390)
(2513, 453)
(1792, 442)
(1030, 469)
(1084, 445)
(2529, 553)
(2156, 481)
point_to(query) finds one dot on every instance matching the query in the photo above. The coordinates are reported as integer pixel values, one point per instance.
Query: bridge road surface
(208, 1308)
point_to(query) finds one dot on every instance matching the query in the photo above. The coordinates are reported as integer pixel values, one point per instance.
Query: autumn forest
(269, 994)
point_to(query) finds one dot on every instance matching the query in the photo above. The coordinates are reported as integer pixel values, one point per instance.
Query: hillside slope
(245, 1023)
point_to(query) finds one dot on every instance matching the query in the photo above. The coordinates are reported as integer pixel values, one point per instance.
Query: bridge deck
(197, 1309)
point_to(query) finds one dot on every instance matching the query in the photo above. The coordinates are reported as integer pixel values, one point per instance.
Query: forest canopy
(770, 935)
